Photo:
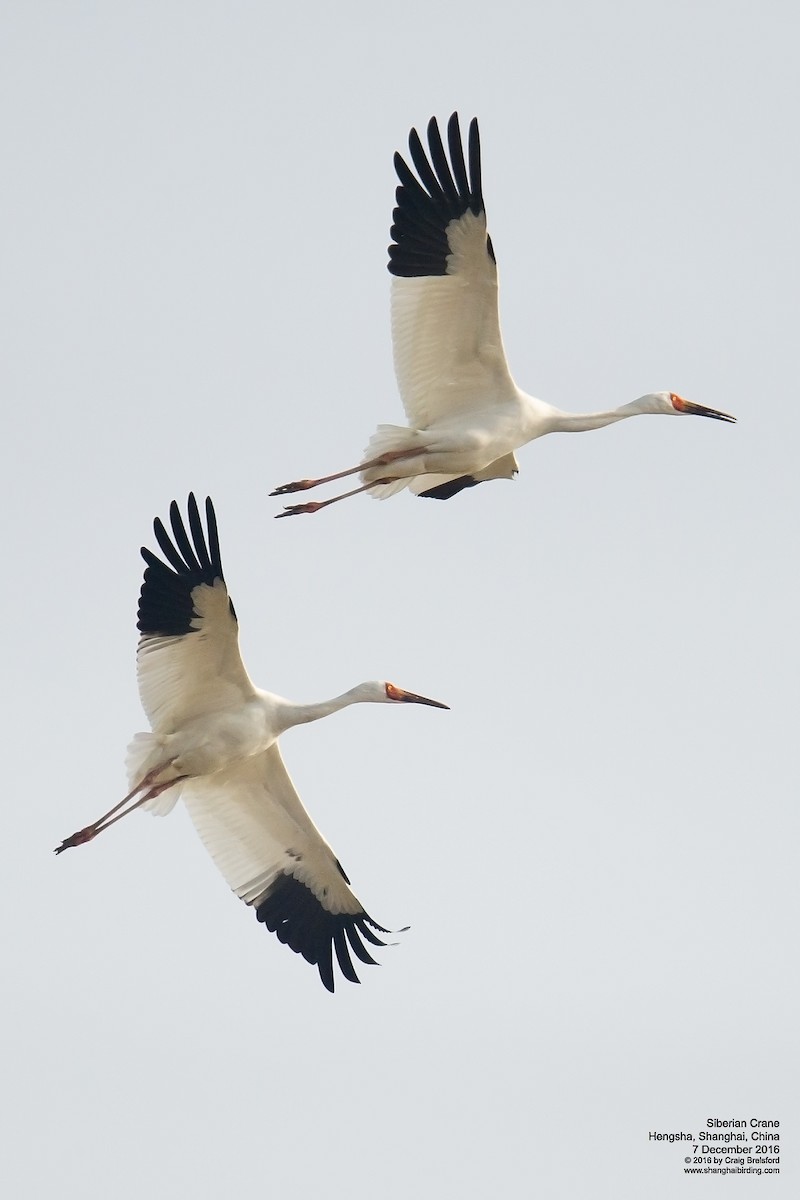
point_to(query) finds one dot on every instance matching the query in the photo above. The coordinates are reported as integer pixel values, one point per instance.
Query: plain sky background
(597, 847)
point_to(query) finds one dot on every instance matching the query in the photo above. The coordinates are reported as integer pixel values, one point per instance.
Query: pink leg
(294, 510)
(91, 831)
(146, 782)
(302, 485)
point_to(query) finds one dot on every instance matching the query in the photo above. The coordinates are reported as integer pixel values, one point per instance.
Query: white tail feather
(145, 752)
(382, 491)
(387, 439)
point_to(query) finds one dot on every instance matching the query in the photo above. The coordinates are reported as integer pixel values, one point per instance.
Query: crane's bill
(699, 410)
(396, 693)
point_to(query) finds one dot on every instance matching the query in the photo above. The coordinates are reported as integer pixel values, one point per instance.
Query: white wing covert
(188, 660)
(253, 824)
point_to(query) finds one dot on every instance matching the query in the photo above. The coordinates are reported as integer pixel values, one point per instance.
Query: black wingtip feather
(358, 947)
(343, 956)
(475, 166)
(457, 155)
(198, 536)
(292, 912)
(181, 537)
(363, 928)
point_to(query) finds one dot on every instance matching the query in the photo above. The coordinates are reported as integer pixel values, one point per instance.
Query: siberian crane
(214, 742)
(467, 417)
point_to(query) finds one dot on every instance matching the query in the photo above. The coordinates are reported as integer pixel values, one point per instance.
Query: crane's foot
(294, 510)
(77, 839)
(301, 485)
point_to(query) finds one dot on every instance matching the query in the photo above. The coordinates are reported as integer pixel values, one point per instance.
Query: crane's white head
(670, 402)
(383, 693)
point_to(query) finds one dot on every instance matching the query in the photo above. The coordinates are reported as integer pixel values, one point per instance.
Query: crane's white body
(229, 772)
(214, 743)
(481, 443)
(466, 415)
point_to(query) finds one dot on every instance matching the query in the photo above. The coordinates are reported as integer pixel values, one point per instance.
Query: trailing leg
(151, 790)
(295, 510)
(382, 460)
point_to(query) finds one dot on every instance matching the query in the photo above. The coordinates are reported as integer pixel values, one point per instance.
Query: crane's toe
(294, 510)
(300, 485)
(76, 839)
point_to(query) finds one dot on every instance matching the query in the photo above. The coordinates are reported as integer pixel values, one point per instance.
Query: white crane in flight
(467, 416)
(214, 742)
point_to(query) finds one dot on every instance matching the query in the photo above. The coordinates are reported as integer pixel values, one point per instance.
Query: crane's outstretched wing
(187, 661)
(255, 827)
(448, 350)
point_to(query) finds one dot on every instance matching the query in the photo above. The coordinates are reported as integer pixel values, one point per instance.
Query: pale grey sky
(596, 849)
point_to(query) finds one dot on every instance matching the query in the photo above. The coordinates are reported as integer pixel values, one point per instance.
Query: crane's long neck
(301, 714)
(566, 422)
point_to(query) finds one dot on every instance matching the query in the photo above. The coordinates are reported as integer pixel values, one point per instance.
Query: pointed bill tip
(699, 410)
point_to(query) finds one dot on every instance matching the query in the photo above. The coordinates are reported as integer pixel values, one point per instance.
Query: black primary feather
(442, 191)
(446, 491)
(165, 601)
(301, 922)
